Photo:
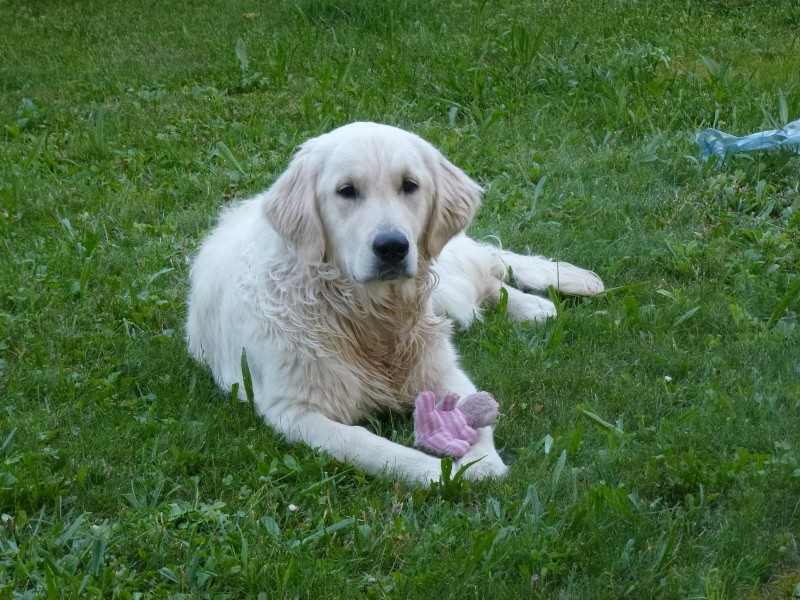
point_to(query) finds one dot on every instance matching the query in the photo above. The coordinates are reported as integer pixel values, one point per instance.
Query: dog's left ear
(456, 199)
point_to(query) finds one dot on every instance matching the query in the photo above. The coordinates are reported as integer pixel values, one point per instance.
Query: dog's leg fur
(356, 445)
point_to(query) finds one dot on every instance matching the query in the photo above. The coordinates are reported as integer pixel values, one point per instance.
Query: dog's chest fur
(390, 363)
(373, 357)
(365, 370)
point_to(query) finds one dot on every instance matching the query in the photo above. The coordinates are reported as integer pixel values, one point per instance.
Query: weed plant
(653, 432)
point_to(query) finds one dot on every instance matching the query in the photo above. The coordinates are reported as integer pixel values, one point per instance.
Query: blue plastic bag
(714, 142)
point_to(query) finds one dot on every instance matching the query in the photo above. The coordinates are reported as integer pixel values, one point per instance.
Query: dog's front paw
(485, 465)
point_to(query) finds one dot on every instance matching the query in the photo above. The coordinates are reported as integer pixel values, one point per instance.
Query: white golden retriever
(336, 282)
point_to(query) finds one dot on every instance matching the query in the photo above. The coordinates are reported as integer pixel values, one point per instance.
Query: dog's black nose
(390, 247)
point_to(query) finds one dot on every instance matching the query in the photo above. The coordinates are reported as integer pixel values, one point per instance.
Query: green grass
(654, 432)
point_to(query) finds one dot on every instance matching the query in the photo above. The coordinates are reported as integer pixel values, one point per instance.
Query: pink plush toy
(449, 428)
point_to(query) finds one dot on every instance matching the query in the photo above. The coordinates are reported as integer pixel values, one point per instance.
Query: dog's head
(372, 198)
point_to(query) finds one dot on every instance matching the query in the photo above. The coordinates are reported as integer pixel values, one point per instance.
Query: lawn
(653, 432)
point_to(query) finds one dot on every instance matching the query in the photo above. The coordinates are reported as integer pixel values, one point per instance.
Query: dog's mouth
(391, 273)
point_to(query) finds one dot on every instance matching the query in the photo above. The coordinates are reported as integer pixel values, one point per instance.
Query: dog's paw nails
(594, 285)
(577, 281)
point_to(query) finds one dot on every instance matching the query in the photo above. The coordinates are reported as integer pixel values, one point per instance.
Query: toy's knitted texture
(447, 429)
(435, 427)
(480, 409)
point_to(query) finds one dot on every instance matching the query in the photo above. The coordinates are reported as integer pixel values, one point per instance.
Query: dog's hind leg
(538, 273)
(471, 273)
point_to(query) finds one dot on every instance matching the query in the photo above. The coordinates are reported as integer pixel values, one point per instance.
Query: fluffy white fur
(335, 282)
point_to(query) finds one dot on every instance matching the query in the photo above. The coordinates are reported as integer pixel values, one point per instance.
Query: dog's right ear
(291, 207)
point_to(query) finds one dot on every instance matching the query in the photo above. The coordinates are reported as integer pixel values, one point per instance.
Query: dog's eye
(409, 186)
(348, 191)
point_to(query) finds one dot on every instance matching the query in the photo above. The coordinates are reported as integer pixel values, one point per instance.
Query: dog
(341, 282)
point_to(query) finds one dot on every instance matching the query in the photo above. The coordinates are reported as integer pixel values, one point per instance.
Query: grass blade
(562, 460)
(248, 381)
(686, 316)
(241, 55)
(787, 299)
(8, 439)
(67, 534)
(783, 108)
(330, 529)
(537, 192)
(227, 154)
(598, 420)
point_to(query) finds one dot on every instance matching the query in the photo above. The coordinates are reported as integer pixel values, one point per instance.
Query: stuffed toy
(449, 428)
